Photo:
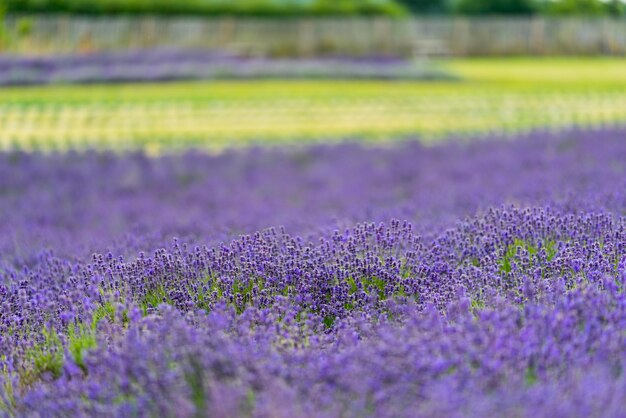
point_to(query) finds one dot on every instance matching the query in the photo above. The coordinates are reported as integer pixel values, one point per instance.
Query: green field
(494, 95)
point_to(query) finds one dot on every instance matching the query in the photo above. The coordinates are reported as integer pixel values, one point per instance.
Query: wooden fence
(306, 37)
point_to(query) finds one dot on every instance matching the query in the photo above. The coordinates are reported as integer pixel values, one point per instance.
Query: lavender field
(171, 64)
(479, 278)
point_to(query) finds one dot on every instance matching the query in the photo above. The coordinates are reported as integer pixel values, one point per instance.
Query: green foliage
(369, 283)
(104, 311)
(195, 381)
(547, 7)
(576, 7)
(45, 357)
(48, 355)
(7, 402)
(550, 247)
(3, 33)
(615, 7)
(289, 8)
(209, 285)
(329, 321)
(24, 27)
(509, 256)
(495, 7)
(427, 6)
(203, 297)
(531, 376)
(81, 338)
(376, 284)
(353, 286)
(510, 253)
(210, 7)
(250, 403)
(246, 294)
(154, 297)
(477, 304)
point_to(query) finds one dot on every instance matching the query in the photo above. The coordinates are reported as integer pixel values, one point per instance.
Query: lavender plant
(168, 64)
(500, 294)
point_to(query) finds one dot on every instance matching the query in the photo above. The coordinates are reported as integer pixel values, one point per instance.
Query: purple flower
(292, 288)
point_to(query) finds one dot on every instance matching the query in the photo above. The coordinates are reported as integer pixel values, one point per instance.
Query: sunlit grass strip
(140, 124)
(497, 95)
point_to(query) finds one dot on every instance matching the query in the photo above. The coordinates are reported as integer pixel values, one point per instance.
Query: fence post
(608, 36)
(305, 37)
(226, 32)
(460, 32)
(537, 34)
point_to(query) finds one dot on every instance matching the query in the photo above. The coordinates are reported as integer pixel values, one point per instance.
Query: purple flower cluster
(292, 290)
(168, 64)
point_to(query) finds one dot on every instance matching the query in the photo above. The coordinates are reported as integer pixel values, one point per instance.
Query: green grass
(496, 95)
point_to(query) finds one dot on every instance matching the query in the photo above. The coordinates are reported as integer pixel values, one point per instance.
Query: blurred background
(171, 74)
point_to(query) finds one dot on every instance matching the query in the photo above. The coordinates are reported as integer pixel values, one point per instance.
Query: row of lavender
(168, 64)
(467, 308)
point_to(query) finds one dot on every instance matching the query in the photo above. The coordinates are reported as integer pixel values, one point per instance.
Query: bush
(2, 25)
(497, 7)
(427, 6)
(577, 7)
(209, 7)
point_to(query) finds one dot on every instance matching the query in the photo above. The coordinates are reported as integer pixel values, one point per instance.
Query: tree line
(518, 7)
(318, 7)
